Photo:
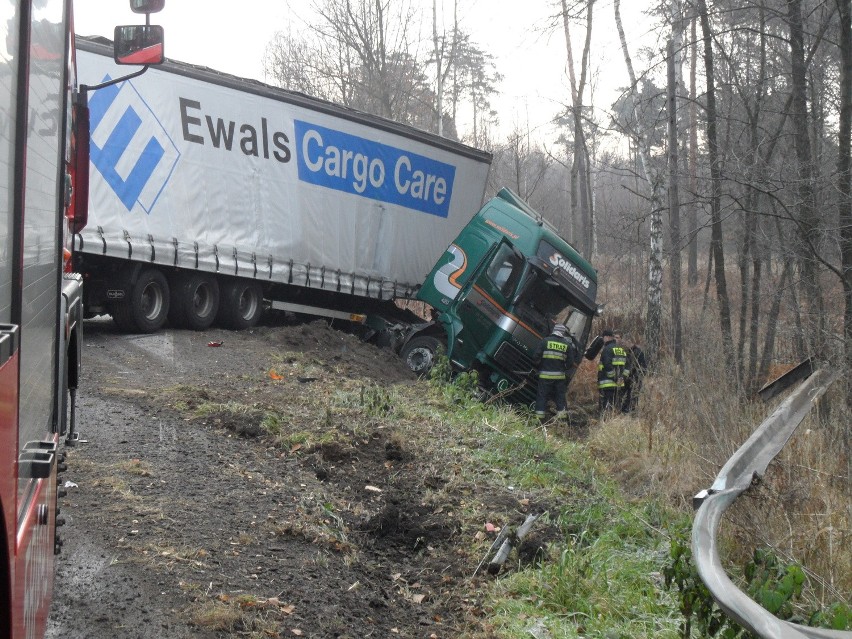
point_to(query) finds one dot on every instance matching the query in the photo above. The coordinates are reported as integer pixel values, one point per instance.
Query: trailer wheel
(240, 304)
(147, 307)
(421, 353)
(194, 301)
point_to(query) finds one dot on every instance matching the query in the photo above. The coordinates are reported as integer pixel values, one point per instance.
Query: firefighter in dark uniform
(555, 356)
(613, 369)
(637, 362)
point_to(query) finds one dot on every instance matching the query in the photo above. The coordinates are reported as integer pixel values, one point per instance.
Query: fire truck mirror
(146, 6)
(138, 44)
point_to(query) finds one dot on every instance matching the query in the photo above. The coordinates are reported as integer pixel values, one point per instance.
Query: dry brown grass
(216, 615)
(692, 418)
(241, 615)
(678, 443)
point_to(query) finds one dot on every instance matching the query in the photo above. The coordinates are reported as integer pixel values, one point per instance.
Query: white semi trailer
(210, 194)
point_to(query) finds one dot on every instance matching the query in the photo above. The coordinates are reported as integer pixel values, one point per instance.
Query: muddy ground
(188, 520)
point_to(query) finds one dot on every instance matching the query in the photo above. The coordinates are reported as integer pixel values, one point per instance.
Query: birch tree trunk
(653, 321)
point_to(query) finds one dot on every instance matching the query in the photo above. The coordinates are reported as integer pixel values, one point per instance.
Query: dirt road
(240, 490)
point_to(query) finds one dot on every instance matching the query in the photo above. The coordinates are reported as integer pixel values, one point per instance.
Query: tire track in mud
(175, 516)
(97, 592)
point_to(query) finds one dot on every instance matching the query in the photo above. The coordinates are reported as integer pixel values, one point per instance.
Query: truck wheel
(240, 304)
(194, 301)
(421, 353)
(146, 308)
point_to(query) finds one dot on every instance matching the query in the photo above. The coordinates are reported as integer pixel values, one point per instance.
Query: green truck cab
(498, 289)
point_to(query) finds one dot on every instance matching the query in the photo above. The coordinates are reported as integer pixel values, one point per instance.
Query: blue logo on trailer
(344, 162)
(129, 146)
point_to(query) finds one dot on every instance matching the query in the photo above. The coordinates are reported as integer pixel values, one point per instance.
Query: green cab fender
(452, 326)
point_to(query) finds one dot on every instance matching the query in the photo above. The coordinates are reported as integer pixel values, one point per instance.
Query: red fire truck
(43, 201)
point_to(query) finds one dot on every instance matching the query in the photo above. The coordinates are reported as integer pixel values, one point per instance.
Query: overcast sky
(212, 33)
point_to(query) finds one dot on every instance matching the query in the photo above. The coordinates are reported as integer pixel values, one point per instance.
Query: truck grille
(511, 359)
(520, 369)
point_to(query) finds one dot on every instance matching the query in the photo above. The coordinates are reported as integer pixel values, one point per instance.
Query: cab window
(505, 269)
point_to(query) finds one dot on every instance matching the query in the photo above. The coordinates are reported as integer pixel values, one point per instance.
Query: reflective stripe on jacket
(613, 367)
(555, 357)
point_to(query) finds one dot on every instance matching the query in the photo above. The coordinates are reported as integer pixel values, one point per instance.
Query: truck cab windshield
(543, 302)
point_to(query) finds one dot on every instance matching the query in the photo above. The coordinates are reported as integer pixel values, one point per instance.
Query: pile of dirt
(340, 351)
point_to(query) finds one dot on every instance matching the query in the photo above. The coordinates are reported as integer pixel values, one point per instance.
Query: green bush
(775, 585)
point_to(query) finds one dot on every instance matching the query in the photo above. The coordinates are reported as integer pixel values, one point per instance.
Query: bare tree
(444, 55)
(744, 56)
(807, 216)
(674, 207)
(361, 53)
(716, 243)
(844, 191)
(580, 168)
(675, 81)
(653, 322)
(692, 269)
(522, 164)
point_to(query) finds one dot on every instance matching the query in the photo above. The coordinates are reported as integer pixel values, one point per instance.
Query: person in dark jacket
(555, 356)
(612, 371)
(638, 364)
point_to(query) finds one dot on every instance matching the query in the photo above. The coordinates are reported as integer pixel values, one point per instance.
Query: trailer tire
(194, 301)
(147, 307)
(421, 353)
(240, 304)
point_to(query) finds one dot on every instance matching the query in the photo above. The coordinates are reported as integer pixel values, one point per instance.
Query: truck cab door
(482, 306)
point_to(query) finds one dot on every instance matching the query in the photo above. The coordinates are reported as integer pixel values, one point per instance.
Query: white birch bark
(653, 320)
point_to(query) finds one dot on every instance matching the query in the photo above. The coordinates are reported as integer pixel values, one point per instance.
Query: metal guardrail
(746, 465)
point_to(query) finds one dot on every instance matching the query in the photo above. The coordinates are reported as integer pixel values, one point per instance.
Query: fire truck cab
(43, 199)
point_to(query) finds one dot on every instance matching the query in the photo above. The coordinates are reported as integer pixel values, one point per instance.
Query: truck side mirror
(146, 6)
(138, 44)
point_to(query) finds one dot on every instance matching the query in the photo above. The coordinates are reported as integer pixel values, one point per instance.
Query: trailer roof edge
(103, 46)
